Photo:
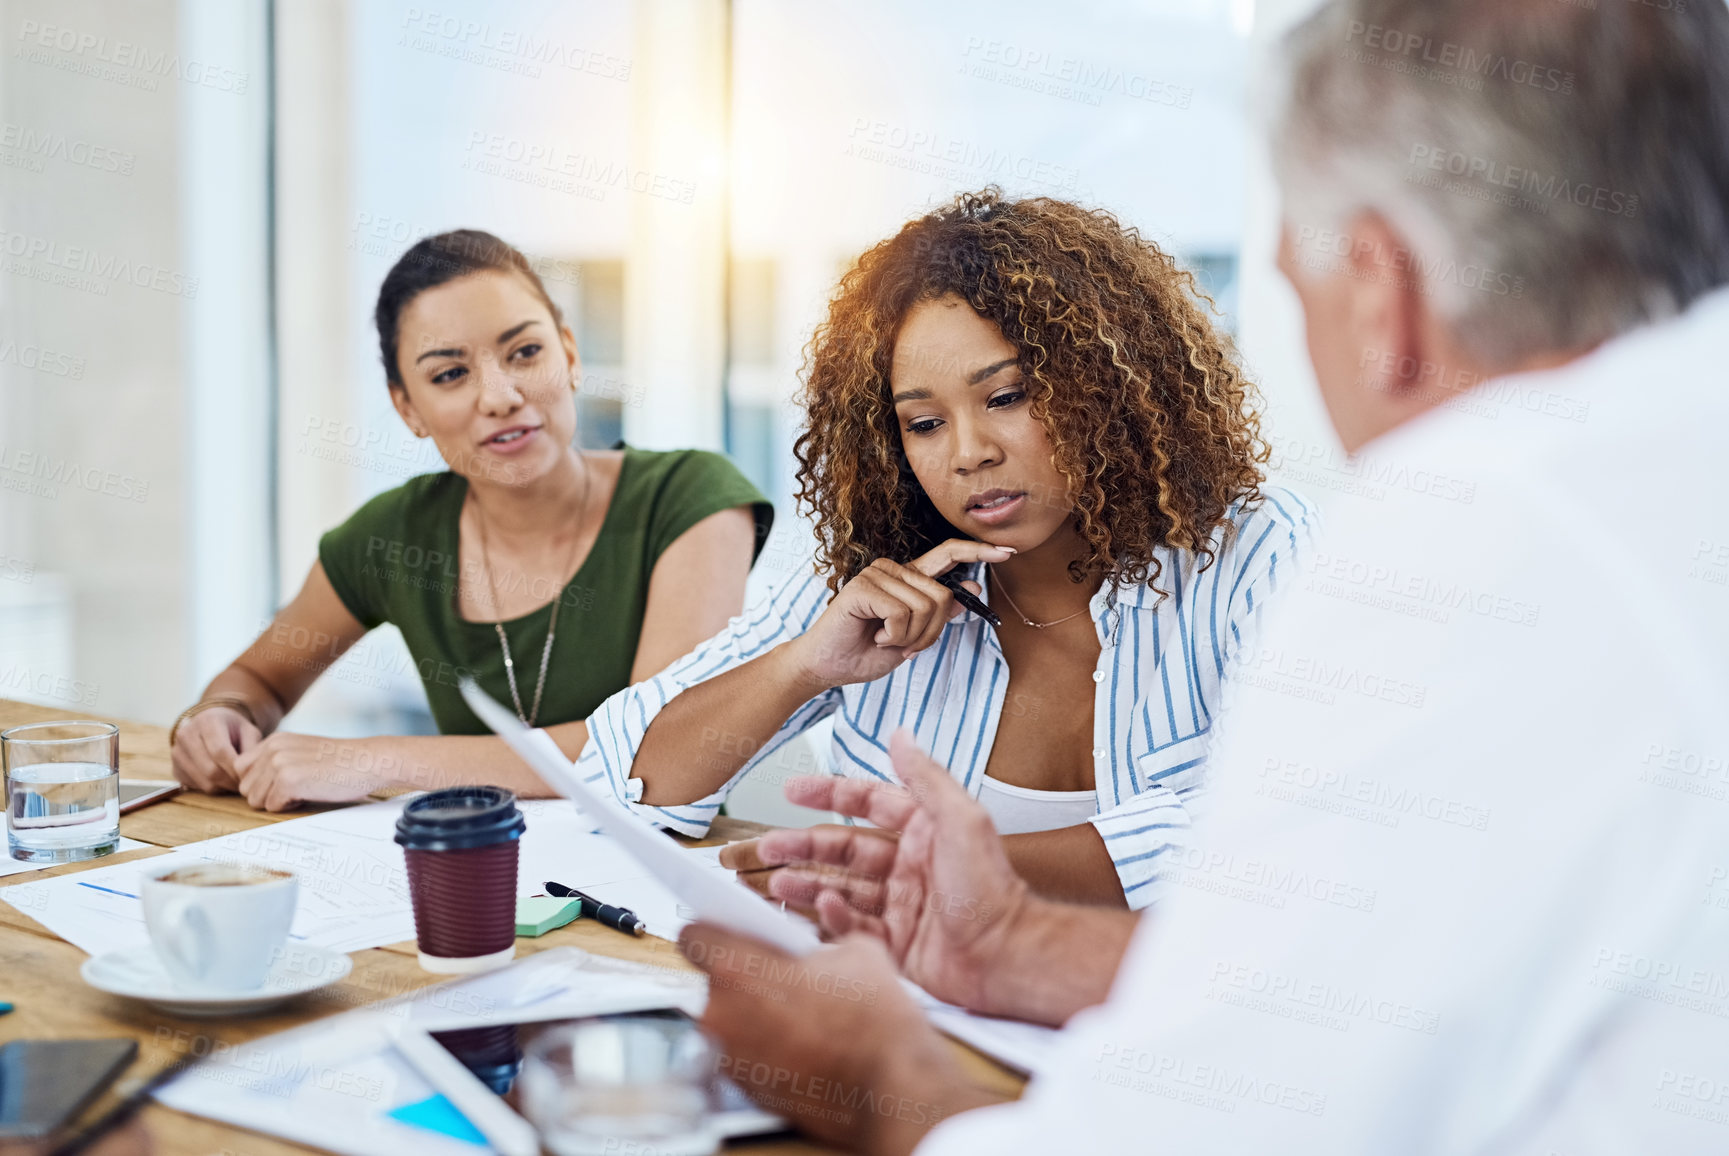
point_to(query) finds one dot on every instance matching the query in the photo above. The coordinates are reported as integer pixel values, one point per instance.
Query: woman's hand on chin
(287, 769)
(888, 612)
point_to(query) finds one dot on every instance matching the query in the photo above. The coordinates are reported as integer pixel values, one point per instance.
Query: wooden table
(39, 971)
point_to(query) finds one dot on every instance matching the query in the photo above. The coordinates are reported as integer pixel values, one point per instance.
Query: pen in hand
(618, 918)
(967, 598)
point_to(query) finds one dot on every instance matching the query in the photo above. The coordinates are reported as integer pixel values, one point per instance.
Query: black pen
(617, 918)
(967, 598)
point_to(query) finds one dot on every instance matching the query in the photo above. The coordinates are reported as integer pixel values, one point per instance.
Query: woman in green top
(553, 576)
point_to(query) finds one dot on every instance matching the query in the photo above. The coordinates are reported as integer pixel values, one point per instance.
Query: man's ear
(1385, 311)
(405, 409)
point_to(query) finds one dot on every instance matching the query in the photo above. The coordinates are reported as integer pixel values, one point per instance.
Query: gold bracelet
(234, 702)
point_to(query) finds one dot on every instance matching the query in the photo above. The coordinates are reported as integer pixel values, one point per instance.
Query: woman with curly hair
(1024, 398)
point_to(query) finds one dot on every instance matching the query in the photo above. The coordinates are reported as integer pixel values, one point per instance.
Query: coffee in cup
(223, 875)
(461, 847)
(217, 927)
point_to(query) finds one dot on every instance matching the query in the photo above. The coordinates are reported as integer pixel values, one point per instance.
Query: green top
(395, 561)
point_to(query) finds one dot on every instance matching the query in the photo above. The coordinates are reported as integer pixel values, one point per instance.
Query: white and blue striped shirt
(1161, 663)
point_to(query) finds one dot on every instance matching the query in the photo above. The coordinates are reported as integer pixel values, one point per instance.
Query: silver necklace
(1021, 614)
(551, 626)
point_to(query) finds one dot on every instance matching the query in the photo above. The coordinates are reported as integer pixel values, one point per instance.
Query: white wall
(675, 263)
(1270, 333)
(224, 204)
(89, 206)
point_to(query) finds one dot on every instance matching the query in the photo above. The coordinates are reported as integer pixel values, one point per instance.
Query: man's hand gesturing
(943, 896)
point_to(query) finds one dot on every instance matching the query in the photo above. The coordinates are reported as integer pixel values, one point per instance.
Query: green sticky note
(539, 914)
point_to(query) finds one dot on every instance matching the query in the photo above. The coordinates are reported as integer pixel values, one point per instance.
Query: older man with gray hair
(1463, 881)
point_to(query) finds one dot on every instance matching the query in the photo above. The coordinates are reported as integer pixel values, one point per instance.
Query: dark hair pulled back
(437, 260)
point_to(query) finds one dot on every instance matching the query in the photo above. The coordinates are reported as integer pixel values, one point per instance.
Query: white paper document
(11, 866)
(353, 887)
(562, 846)
(1022, 1046)
(353, 878)
(709, 895)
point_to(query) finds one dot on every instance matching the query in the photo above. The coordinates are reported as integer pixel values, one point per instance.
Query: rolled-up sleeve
(616, 728)
(1140, 835)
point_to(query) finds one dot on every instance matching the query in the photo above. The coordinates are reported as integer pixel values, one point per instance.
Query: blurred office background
(198, 200)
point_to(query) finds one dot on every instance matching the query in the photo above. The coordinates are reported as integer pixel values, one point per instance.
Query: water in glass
(62, 791)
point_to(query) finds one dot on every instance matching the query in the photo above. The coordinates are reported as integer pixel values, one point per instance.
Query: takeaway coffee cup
(461, 847)
(217, 927)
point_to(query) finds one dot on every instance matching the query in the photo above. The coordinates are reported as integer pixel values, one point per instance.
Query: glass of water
(62, 790)
(623, 1086)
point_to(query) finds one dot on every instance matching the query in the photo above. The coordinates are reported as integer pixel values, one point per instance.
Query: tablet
(136, 793)
(493, 1055)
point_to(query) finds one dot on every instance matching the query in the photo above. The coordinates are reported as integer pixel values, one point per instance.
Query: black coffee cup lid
(460, 819)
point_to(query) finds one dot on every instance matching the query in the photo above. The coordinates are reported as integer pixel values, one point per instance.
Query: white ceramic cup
(217, 927)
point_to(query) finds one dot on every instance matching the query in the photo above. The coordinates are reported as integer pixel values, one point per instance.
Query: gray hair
(1560, 168)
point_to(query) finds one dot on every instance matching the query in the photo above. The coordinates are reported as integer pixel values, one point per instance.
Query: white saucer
(138, 974)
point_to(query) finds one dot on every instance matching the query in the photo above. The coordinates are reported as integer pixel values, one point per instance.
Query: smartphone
(45, 1083)
(136, 793)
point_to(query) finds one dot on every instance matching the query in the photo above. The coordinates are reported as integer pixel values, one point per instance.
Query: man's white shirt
(1463, 883)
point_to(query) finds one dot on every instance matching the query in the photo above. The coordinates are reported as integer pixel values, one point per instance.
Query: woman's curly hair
(1149, 418)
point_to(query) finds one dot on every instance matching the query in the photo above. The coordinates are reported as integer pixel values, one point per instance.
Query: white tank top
(1017, 810)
